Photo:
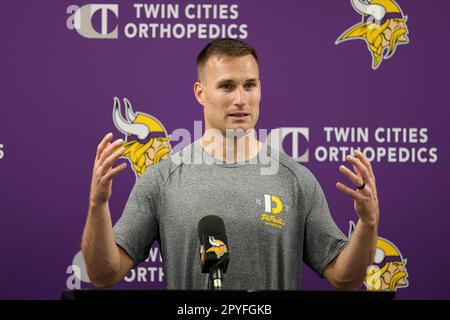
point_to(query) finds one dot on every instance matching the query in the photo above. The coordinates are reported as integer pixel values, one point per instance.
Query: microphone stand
(215, 277)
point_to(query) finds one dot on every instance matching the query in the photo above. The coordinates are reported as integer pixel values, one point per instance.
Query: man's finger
(365, 161)
(357, 180)
(356, 171)
(350, 192)
(109, 150)
(115, 171)
(364, 171)
(103, 144)
(107, 164)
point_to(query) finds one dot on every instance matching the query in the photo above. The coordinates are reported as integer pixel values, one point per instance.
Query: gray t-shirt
(273, 222)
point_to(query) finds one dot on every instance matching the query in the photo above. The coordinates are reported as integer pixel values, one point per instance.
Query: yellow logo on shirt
(273, 208)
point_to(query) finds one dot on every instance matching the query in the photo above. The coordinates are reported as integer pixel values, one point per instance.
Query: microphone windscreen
(213, 244)
(212, 226)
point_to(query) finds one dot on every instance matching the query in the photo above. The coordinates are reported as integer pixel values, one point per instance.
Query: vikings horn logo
(383, 27)
(218, 247)
(146, 140)
(388, 271)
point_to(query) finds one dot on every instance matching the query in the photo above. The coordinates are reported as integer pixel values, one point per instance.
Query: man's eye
(250, 85)
(226, 86)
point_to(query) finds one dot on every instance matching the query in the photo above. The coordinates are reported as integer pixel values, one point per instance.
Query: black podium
(188, 304)
(168, 296)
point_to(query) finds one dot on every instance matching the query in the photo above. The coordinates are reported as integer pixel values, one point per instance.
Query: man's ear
(199, 93)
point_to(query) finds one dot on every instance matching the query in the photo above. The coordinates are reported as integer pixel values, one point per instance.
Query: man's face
(230, 92)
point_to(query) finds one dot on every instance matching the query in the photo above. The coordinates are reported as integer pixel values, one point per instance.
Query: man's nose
(240, 99)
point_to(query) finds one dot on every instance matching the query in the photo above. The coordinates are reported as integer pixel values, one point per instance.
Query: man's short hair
(223, 47)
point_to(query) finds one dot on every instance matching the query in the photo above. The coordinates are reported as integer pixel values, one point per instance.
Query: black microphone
(214, 253)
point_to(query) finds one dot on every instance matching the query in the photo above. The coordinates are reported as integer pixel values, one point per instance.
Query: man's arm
(348, 270)
(106, 262)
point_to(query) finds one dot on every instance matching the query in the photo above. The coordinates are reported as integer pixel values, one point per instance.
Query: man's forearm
(351, 265)
(98, 246)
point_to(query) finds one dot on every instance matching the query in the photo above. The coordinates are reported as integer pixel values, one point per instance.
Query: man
(273, 222)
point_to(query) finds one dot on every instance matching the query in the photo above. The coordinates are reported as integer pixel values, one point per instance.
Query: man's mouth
(238, 115)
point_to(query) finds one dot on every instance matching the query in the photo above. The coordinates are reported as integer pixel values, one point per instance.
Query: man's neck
(231, 149)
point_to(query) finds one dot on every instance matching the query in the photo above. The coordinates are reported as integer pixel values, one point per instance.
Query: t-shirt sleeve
(323, 239)
(137, 228)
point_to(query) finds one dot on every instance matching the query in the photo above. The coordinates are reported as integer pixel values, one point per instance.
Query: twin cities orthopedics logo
(383, 28)
(383, 144)
(157, 21)
(149, 271)
(82, 19)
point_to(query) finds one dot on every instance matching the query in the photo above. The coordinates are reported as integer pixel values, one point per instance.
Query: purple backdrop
(57, 90)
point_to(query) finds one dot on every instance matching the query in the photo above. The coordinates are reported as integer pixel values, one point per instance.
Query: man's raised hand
(107, 154)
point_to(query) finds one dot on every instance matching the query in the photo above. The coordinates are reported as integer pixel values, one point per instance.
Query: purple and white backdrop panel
(326, 88)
